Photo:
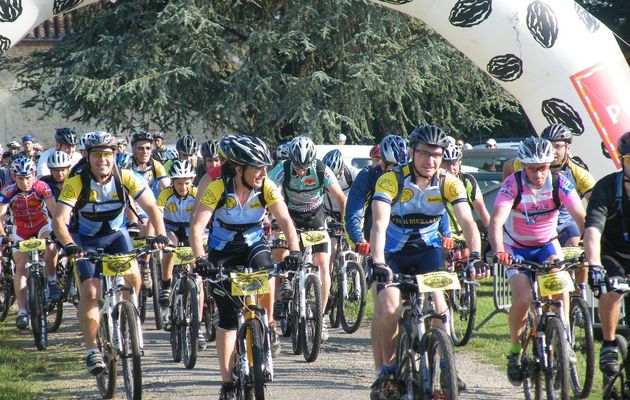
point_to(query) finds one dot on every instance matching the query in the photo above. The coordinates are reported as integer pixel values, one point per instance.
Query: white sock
(52, 278)
(22, 311)
(91, 351)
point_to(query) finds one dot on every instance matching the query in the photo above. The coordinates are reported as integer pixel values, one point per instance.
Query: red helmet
(375, 152)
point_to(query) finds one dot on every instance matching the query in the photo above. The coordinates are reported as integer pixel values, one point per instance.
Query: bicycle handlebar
(273, 271)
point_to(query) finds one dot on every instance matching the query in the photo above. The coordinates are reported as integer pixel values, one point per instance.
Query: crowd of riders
(403, 212)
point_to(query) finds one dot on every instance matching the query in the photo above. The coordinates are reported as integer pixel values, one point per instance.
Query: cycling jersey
(534, 220)
(104, 211)
(331, 204)
(177, 210)
(416, 215)
(155, 171)
(473, 192)
(236, 224)
(48, 179)
(359, 204)
(42, 164)
(28, 208)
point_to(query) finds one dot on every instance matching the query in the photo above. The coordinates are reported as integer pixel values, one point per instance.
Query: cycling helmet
(557, 133)
(451, 139)
(282, 153)
(171, 154)
(124, 160)
(38, 147)
(245, 150)
(140, 136)
(181, 169)
(452, 153)
(430, 135)
(158, 135)
(302, 152)
(66, 136)
(13, 145)
(83, 140)
(186, 144)
(535, 150)
(375, 151)
(58, 159)
(160, 155)
(23, 166)
(209, 149)
(393, 149)
(334, 160)
(99, 139)
(623, 144)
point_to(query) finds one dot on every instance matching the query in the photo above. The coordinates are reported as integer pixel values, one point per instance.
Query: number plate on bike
(312, 238)
(572, 252)
(440, 280)
(555, 283)
(249, 284)
(137, 243)
(32, 245)
(183, 256)
(118, 265)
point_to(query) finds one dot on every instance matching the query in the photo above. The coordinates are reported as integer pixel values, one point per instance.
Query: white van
(357, 156)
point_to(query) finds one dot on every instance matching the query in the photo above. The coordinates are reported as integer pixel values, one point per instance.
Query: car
(356, 155)
(490, 160)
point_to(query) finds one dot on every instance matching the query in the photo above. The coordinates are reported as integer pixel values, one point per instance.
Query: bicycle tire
(407, 363)
(142, 304)
(255, 342)
(131, 353)
(208, 318)
(352, 307)
(189, 328)
(296, 331)
(532, 383)
(332, 307)
(55, 308)
(442, 371)
(156, 269)
(616, 391)
(106, 381)
(581, 329)
(556, 378)
(463, 311)
(311, 327)
(7, 297)
(54, 315)
(37, 311)
(175, 337)
(286, 324)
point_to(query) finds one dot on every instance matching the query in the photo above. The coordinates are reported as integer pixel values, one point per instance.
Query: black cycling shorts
(113, 243)
(613, 264)
(316, 222)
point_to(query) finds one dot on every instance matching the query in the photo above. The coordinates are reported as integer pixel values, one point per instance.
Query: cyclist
(27, 147)
(345, 175)
(407, 207)
(30, 201)
(186, 147)
(14, 147)
(152, 171)
(58, 164)
(99, 194)
(211, 161)
(65, 140)
(375, 155)
(526, 210)
(159, 149)
(607, 244)
(304, 181)
(237, 203)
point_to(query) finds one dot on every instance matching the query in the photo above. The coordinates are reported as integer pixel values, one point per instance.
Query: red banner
(604, 90)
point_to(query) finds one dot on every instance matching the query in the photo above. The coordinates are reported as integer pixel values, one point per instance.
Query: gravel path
(342, 371)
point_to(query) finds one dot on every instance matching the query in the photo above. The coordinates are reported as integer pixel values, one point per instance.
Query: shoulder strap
(320, 169)
(579, 162)
(619, 203)
(441, 179)
(261, 195)
(223, 198)
(347, 175)
(555, 189)
(286, 178)
(519, 188)
(400, 177)
(84, 195)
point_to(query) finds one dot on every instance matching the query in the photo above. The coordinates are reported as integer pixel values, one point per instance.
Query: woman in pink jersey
(523, 225)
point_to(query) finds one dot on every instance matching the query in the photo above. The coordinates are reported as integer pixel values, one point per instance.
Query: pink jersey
(539, 225)
(27, 207)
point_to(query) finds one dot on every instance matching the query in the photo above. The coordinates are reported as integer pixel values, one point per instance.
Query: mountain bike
(7, 291)
(154, 293)
(119, 335)
(348, 289)
(462, 302)
(254, 365)
(181, 318)
(544, 358)
(424, 354)
(68, 283)
(210, 313)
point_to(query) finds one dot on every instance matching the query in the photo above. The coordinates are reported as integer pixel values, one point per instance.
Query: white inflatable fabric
(560, 62)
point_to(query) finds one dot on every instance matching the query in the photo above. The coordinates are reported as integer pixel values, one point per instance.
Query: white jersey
(42, 165)
(331, 203)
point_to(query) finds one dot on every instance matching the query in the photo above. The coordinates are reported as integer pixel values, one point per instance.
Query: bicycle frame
(112, 293)
(251, 310)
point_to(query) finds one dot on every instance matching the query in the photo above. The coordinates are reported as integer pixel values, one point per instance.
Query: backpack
(320, 169)
(579, 162)
(223, 199)
(619, 203)
(519, 190)
(347, 175)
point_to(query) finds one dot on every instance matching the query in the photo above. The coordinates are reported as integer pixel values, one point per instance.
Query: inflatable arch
(561, 63)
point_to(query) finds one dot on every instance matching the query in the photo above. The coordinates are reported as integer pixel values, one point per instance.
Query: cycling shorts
(414, 260)
(180, 232)
(567, 231)
(112, 243)
(613, 264)
(40, 231)
(254, 257)
(316, 223)
(538, 255)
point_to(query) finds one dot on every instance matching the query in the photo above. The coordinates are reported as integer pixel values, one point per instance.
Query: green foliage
(275, 69)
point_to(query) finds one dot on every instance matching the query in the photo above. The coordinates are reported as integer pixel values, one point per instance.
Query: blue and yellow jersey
(103, 211)
(154, 172)
(177, 210)
(416, 213)
(235, 223)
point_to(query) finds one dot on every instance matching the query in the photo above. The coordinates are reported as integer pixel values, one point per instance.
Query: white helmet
(535, 150)
(302, 152)
(181, 169)
(83, 140)
(59, 159)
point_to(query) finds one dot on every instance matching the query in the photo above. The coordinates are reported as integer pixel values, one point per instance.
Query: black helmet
(557, 133)
(210, 149)
(139, 136)
(245, 150)
(623, 144)
(99, 139)
(186, 144)
(160, 155)
(158, 135)
(430, 135)
(66, 136)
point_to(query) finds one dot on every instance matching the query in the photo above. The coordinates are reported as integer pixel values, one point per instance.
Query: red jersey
(28, 208)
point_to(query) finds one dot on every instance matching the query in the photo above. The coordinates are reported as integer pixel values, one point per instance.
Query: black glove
(72, 249)
(293, 261)
(204, 267)
(476, 265)
(4, 239)
(596, 279)
(160, 239)
(381, 272)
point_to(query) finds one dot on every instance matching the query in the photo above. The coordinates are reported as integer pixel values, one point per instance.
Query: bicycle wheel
(106, 381)
(286, 323)
(6, 296)
(581, 329)
(615, 386)
(332, 307)
(295, 323)
(556, 349)
(157, 284)
(311, 328)
(442, 372)
(255, 347)
(175, 337)
(189, 327)
(210, 315)
(352, 305)
(131, 352)
(532, 384)
(464, 310)
(408, 363)
(37, 310)
(142, 304)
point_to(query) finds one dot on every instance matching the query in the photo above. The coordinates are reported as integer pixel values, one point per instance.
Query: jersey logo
(434, 199)
(209, 198)
(230, 202)
(68, 192)
(189, 208)
(271, 193)
(255, 204)
(386, 185)
(407, 195)
(172, 207)
(93, 196)
(452, 190)
(309, 181)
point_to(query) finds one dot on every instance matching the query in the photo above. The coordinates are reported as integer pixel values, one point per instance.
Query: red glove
(447, 243)
(502, 258)
(363, 248)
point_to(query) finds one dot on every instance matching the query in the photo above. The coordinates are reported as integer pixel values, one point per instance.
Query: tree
(275, 69)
